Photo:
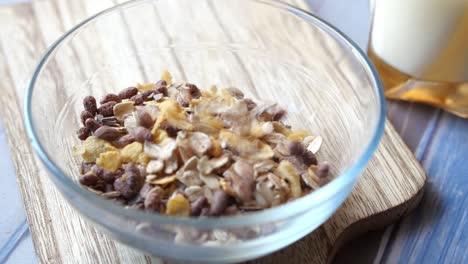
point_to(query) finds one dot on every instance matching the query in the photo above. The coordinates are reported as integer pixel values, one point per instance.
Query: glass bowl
(269, 49)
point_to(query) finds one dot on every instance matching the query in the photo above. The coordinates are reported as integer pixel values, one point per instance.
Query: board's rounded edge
(376, 221)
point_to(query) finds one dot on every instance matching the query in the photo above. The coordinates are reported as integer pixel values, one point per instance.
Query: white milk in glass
(426, 39)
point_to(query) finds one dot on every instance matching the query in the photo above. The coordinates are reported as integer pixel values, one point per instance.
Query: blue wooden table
(436, 232)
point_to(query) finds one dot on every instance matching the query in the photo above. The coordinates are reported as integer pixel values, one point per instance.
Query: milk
(427, 39)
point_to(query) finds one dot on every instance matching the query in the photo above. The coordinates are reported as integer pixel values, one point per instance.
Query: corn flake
(145, 87)
(287, 171)
(280, 128)
(131, 152)
(172, 113)
(178, 205)
(143, 159)
(298, 135)
(166, 76)
(91, 148)
(109, 160)
(216, 149)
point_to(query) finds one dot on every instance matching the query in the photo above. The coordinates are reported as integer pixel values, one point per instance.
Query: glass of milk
(420, 48)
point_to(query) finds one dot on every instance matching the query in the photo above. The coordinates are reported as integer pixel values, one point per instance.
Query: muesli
(173, 149)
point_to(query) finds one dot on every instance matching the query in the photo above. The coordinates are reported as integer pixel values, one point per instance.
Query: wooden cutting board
(390, 187)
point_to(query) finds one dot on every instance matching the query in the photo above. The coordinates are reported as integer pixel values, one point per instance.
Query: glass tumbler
(420, 48)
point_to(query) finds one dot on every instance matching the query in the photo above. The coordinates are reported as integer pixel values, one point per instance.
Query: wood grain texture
(59, 232)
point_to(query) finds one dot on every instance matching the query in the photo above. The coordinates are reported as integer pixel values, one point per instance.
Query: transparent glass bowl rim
(278, 213)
